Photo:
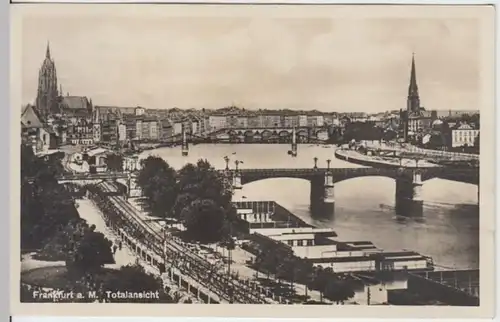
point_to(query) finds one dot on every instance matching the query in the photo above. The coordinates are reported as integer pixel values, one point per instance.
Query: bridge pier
(237, 180)
(322, 198)
(185, 146)
(293, 151)
(409, 201)
(329, 194)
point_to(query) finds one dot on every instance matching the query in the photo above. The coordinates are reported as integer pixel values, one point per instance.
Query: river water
(364, 207)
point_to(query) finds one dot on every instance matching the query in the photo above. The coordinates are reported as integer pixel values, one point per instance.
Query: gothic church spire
(47, 93)
(47, 53)
(413, 102)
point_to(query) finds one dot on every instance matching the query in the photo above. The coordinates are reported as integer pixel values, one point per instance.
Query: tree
(319, 281)
(114, 162)
(204, 220)
(361, 131)
(35, 167)
(158, 183)
(202, 181)
(337, 289)
(46, 205)
(389, 135)
(133, 278)
(203, 196)
(88, 250)
(286, 268)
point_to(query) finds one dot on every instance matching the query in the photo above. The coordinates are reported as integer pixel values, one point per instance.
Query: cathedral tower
(47, 95)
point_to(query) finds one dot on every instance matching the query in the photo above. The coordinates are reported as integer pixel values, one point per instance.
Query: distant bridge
(274, 134)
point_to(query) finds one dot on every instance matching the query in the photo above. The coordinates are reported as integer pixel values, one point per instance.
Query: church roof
(116, 109)
(30, 118)
(421, 114)
(75, 102)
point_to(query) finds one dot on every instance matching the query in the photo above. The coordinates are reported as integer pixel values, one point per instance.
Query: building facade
(464, 135)
(122, 132)
(77, 111)
(166, 134)
(302, 120)
(290, 120)
(34, 132)
(217, 122)
(270, 120)
(315, 121)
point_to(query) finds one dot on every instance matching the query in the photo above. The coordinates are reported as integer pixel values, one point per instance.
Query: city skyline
(196, 64)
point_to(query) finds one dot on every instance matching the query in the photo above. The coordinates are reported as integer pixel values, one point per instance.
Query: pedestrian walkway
(92, 215)
(28, 263)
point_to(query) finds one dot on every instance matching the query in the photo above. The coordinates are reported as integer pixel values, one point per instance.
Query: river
(448, 231)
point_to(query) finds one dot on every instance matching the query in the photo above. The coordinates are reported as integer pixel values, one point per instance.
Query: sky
(329, 64)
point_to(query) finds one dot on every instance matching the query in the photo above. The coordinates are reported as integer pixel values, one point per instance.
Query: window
(310, 242)
(290, 242)
(300, 243)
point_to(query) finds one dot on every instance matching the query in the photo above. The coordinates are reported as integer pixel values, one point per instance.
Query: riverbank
(377, 161)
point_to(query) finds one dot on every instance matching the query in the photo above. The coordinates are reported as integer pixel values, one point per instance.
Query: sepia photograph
(233, 154)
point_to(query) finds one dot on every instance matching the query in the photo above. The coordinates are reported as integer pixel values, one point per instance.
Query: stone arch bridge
(409, 182)
(278, 134)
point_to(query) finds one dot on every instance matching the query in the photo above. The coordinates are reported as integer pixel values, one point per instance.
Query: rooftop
(30, 118)
(75, 103)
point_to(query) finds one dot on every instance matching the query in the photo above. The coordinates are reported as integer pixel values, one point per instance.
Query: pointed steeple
(413, 88)
(413, 102)
(47, 53)
(47, 92)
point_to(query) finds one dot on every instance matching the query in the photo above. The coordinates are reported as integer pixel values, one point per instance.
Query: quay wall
(443, 293)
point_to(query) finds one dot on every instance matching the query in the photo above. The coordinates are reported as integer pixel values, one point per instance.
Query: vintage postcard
(276, 156)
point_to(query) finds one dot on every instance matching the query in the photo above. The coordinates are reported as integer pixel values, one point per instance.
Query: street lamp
(315, 162)
(226, 159)
(236, 162)
(328, 164)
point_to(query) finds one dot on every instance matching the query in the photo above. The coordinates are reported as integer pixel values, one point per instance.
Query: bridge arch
(302, 132)
(338, 179)
(266, 135)
(284, 136)
(246, 181)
